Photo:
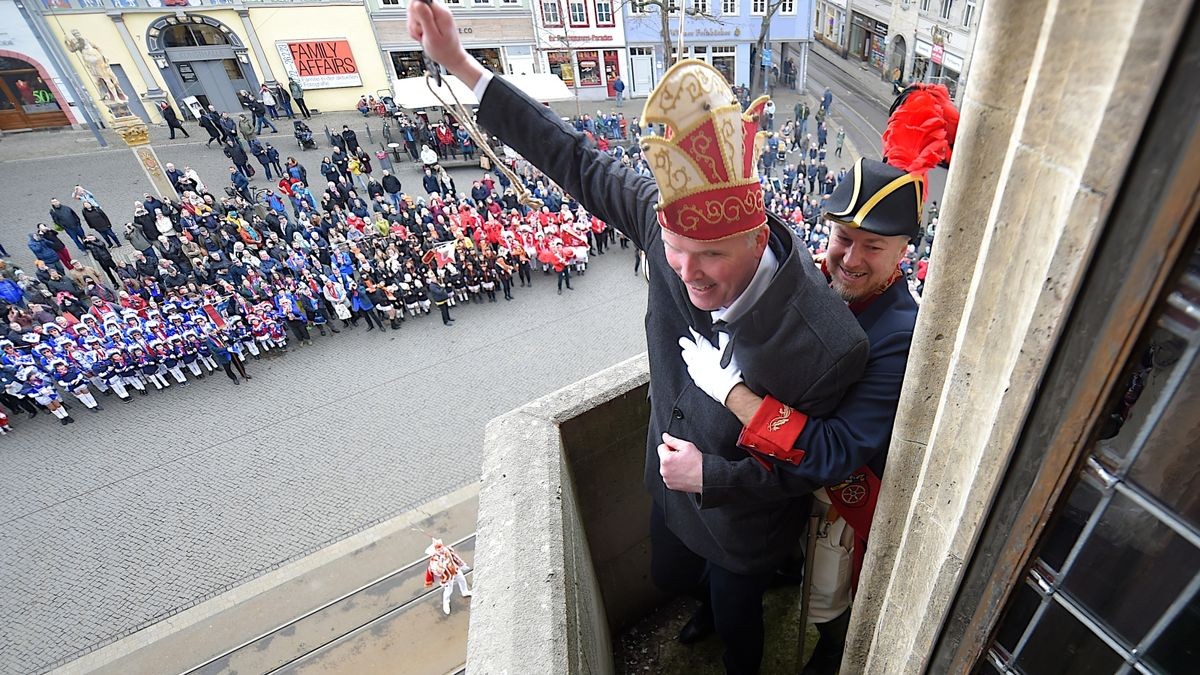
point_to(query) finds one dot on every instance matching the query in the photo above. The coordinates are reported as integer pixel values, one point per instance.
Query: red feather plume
(920, 131)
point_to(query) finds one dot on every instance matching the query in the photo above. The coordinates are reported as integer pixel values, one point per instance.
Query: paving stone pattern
(143, 510)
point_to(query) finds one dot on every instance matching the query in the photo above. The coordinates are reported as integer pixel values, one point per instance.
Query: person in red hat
(727, 278)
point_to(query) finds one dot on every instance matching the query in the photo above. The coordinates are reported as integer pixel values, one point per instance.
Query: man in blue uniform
(719, 265)
(875, 213)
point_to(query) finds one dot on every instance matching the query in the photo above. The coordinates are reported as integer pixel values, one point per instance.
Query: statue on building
(100, 70)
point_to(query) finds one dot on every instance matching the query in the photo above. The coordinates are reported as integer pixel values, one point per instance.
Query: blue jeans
(396, 201)
(287, 109)
(620, 98)
(77, 237)
(260, 120)
(273, 112)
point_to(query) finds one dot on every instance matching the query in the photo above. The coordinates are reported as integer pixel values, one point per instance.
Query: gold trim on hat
(883, 192)
(853, 195)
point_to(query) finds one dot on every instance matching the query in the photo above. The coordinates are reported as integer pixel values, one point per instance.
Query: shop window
(408, 64)
(560, 65)
(550, 13)
(729, 7)
(489, 57)
(578, 10)
(589, 69)
(604, 13)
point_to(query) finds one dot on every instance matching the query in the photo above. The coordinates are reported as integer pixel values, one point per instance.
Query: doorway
(641, 70)
(202, 57)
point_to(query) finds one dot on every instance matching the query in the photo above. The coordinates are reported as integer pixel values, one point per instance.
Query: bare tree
(758, 82)
(663, 11)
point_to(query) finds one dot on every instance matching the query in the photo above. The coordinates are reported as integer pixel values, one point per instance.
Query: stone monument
(130, 127)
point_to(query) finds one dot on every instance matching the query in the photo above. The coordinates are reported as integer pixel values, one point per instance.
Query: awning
(542, 87)
(413, 94)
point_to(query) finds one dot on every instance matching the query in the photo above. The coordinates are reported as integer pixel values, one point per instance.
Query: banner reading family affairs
(320, 64)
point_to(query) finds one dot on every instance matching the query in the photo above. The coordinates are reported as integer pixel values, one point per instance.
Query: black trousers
(564, 275)
(17, 404)
(524, 273)
(300, 329)
(178, 126)
(735, 599)
(303, 108)
(232, 363)
(444, 307)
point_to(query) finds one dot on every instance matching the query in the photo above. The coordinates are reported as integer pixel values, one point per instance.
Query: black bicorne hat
(879, 198)
(887, 197)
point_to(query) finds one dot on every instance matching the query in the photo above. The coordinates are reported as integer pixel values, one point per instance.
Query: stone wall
(562, 536)
(1052, 114)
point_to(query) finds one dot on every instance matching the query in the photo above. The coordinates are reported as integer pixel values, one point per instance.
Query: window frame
(542, 4)
(571, 5)
(766, 6)
(612, 16)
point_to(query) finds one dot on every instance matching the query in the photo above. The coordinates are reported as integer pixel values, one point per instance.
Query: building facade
(499, 33)
(868, 25)
(202, 52)
(933, 40)
(720, 32)
(33, 94)
(829, 23)
(583, 42)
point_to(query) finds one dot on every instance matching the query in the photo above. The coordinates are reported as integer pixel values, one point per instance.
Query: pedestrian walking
(172, 119)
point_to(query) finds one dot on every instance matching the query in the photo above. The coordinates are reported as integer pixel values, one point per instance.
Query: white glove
(704, 365)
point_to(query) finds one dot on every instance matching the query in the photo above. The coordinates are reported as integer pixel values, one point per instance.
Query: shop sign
(575, 39)
(937, 54)
(953, 62)
(320, 64)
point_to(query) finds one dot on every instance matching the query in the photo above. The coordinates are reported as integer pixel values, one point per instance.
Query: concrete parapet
(562, 537)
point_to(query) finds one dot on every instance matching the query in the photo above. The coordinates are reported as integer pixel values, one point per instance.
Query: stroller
(304, 136)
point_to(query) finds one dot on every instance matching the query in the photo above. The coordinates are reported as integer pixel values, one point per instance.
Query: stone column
(260, 57)
(1047, 131)
(152, 90)
(137, 136)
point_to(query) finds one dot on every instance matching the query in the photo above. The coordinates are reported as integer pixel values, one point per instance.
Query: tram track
(322, 631)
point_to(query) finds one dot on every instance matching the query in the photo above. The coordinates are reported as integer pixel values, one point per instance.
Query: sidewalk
(868, 81)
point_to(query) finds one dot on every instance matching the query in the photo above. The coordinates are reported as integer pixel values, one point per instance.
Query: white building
(583, 42)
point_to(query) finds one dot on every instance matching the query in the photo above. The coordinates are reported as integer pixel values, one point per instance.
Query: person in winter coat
(43, 250)
(391, 186)
(211, 123)
(172, 119)
(98, 220)
(297, 91)
(68, 221)
(138, 239)
(237, 155)
(285, 99)
(246, 128)
(260, 153)
(99, 252)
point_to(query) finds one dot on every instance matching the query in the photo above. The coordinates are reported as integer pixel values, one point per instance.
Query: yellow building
(204, 51)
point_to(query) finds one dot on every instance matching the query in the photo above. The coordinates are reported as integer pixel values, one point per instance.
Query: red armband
(772, 432)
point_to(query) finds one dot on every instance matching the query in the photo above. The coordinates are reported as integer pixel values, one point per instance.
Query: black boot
(698, 627)
(827, 655)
